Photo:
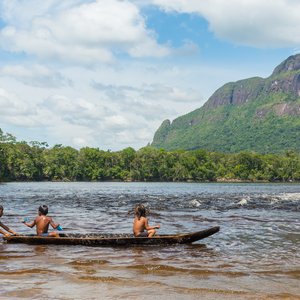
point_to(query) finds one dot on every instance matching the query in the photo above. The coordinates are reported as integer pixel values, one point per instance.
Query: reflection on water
(254, 256)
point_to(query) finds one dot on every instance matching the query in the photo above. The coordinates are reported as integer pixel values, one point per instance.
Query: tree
(61, 163)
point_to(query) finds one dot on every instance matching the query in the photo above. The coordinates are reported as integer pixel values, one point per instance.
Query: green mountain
(255, 114)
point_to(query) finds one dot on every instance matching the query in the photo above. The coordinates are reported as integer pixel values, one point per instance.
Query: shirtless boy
(42, 223)
(141, 227)
(4, 226)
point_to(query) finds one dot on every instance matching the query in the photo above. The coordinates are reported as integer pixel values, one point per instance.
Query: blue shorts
(143, 234)
(44, 234)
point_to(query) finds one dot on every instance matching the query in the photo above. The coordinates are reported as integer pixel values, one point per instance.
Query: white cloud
(79, 142)
(76, 122)
(269, 23)
(15, 111)
(76, 111)
(78, 136)
(116, 122)
(148, 103)
(21, 12)
(11, 105)
(89, 33)
(35, 75)
(109, 116)
(188, 48)
(152, 93)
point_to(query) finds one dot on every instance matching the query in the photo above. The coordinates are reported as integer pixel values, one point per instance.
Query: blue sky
(106, 73)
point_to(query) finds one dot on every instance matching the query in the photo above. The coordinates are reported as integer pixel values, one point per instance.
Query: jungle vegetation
(36, 161)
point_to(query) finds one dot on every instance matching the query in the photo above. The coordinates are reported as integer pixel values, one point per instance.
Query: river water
(256, 254)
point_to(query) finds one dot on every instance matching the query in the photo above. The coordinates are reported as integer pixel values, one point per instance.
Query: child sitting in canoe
(42, 222)
(5, 233)
(141, 227)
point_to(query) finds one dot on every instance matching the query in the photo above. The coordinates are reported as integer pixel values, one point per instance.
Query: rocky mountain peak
(292, 63)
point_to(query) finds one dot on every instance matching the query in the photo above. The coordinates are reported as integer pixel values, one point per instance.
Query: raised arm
(32, 224)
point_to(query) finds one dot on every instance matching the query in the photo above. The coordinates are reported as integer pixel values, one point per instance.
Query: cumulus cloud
(36, 75)
(91, 113)
(83, 32)
(77, 122)
(158, 92)
(117, 122)
(77, 111)
(10, 104)
(14, 111)
(148, 100)
(269, 23)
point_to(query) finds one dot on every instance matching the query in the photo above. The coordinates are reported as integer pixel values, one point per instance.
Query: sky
(107, 73)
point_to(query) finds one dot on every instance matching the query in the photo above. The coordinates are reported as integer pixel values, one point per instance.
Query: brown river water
(256, 254)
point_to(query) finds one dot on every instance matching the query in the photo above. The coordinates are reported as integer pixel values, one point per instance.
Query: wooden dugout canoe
(112, 239)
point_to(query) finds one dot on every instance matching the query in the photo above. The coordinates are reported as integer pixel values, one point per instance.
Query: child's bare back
(42, 222)
(141, 227)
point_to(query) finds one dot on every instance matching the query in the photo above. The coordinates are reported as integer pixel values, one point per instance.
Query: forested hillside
(255, 114)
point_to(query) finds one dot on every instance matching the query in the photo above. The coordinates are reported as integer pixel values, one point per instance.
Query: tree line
(36, 161)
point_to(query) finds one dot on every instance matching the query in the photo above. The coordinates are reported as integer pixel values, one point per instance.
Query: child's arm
(4, 232)
(54, 226)
(7, 229)
(150, 227)
(29, 224)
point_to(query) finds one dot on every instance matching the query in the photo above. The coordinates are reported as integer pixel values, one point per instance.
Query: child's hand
(59, 228)
(157, 226)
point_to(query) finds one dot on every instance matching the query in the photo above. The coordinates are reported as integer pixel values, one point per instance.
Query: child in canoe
(141, 227)
(42, 222)
(5, 233)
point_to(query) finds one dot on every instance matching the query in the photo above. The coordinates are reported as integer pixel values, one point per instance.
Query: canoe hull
(97, 240)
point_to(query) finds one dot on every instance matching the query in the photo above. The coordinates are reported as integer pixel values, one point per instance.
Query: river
(256, 254)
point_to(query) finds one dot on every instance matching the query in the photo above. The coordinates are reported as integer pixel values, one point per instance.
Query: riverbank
(218, 180)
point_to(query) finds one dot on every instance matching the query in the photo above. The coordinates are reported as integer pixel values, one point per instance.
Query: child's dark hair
(43, 209)
(1, 207)
(140, 211)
